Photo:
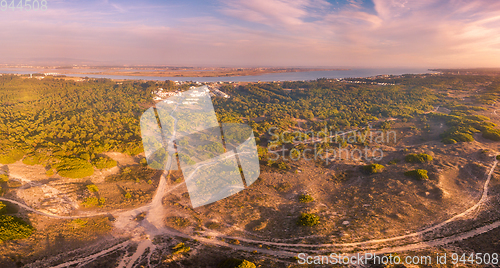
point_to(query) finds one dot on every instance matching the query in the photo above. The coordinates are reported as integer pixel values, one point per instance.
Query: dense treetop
(55, 118)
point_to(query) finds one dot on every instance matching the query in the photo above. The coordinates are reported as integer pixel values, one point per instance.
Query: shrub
(236, 263)
(308, 219)
(92, 188)
(74, 168)
(283, 166)
(460, 131)
(180, 248)
(491, 134)
(128, 195)
(305, 198)
(449, 141)
(373, 168)
(104, 162)
(478, 118)
(419, 174)
(12, 228)
(418, 158)
(127, 170)
(93, 202)
(498, 157)
(280, 165)
(4, 178)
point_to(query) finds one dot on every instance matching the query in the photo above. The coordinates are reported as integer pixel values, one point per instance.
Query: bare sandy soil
(384, 212)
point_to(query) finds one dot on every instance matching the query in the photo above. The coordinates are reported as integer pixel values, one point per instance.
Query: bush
(93, 202)
(180, 248)
(280, 165)
(491, 134)
(478, 118)
(373, 168)
(4, 178)
(449, 141)
(12, 228)
(419, 174)
(74, 168)
(498, 157)
(418, 158)
(104, 162)
(283, 166)
(308, 219)
(462, 129)
(92, 188)
(305, 198)
(236, 263)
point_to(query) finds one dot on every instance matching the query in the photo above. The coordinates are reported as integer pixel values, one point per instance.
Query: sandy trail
(93, 257)
(50, 214)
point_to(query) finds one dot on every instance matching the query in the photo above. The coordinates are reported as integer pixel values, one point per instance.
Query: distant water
(292, 76)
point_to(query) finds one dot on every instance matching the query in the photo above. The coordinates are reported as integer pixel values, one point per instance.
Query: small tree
(283, 166)
(236, 263)
(4, 178)
(420, 174)
(373, 168)
(418, 158)
(308, 219)
(305, 198)
(386, 125)
(92, 188)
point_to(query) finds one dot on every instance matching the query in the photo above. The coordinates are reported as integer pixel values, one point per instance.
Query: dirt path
(81, 262)
(50, 214)
(153, 221)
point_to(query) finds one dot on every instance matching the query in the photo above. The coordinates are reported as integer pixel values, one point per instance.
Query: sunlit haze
(361, 33)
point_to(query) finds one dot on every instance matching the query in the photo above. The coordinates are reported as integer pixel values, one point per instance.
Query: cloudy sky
(352, 33)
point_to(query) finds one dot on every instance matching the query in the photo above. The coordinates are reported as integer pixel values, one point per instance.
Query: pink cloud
(428, 33)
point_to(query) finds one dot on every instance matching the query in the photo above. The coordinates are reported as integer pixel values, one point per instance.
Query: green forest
(321, 103)
(67, 125)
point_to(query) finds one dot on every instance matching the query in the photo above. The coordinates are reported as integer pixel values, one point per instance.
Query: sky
(299, 33)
